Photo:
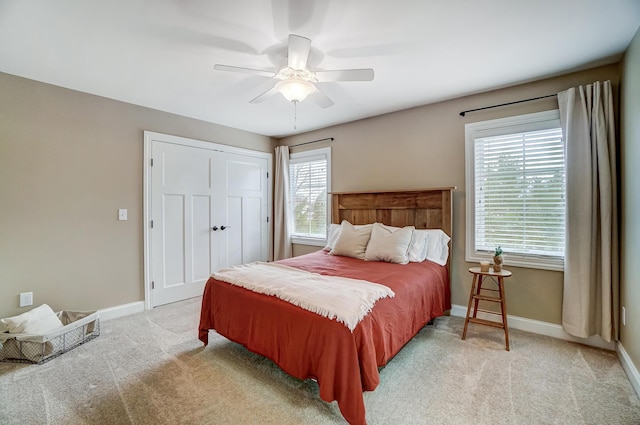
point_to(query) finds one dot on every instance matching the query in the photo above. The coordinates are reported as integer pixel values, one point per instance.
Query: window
(516, 190)
(309, 182)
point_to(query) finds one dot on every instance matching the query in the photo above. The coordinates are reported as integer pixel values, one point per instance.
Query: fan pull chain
(295, 114)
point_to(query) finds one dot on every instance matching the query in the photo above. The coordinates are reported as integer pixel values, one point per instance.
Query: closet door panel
(243, 181)
(233, 233)
(202, 252)
(181, 245)
(253, 235)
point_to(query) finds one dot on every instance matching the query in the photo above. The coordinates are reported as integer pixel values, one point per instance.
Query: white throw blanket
(346, 300)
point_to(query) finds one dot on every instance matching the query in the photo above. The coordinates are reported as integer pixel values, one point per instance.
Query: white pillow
(352, 241)
(438, 246)
(333, 231)
(418, 245)
(388, 245)
(39, 321)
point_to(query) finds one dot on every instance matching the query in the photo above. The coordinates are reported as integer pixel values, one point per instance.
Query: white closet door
(241, 208)
(183, 253)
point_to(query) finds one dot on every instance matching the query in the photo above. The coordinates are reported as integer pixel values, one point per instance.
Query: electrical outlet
(624, 316)
(26, 299)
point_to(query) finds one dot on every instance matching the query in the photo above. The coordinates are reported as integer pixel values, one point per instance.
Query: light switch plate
(122, 214)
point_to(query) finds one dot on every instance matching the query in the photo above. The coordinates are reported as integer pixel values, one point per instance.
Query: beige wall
(630, 189)
(68, 161)
(424, 147)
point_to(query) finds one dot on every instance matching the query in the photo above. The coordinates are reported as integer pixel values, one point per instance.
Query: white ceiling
(160, 53)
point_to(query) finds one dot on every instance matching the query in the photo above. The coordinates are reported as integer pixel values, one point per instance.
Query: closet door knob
(224, 227)
(214, 228)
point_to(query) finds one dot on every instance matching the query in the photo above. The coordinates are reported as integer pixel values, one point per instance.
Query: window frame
(311, 155)
(504, 126)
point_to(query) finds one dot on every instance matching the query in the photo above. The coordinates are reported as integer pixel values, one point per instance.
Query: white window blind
(309, 182)
(520, 184)
(518, 192)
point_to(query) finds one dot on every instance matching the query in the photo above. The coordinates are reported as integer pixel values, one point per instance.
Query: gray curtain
(281, 237)
(591, 281)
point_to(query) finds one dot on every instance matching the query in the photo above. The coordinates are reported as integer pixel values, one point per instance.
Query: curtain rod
(313, 141)
(462, 114)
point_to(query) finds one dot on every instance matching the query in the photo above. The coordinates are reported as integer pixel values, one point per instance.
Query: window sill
(300, 240)
(553, 264)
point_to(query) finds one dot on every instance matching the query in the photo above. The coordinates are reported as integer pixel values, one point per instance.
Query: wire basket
(79, 327)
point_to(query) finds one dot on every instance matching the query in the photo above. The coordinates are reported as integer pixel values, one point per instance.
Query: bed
(307, 345)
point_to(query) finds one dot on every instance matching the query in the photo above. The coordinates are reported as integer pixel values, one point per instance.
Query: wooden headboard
(422, 208)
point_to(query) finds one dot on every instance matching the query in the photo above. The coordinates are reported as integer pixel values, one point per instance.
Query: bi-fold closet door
(208, 209)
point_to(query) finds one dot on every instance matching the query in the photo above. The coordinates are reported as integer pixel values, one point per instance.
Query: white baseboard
(629, 368)
(538, 327)
(121, 310)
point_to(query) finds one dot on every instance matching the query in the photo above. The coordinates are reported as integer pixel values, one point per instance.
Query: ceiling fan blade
(258, 99)
(298, 51)
(250, 71)
(345, 75)
(321, 99)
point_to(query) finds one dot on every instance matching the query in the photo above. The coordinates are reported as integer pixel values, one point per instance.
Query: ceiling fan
(296, 82)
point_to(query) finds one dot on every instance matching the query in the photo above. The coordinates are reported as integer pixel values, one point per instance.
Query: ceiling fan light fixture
(294, 89)
(296, 82)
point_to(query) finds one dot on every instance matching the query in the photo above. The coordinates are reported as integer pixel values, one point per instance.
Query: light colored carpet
(149, 368)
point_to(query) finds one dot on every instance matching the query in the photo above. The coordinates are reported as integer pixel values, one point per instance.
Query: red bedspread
(306, 345)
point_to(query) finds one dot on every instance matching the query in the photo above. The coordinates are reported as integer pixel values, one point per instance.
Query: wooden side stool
(477, 295)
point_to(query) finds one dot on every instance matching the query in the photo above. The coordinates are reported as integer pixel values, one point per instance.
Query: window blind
(308, 197)
(520, 193)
